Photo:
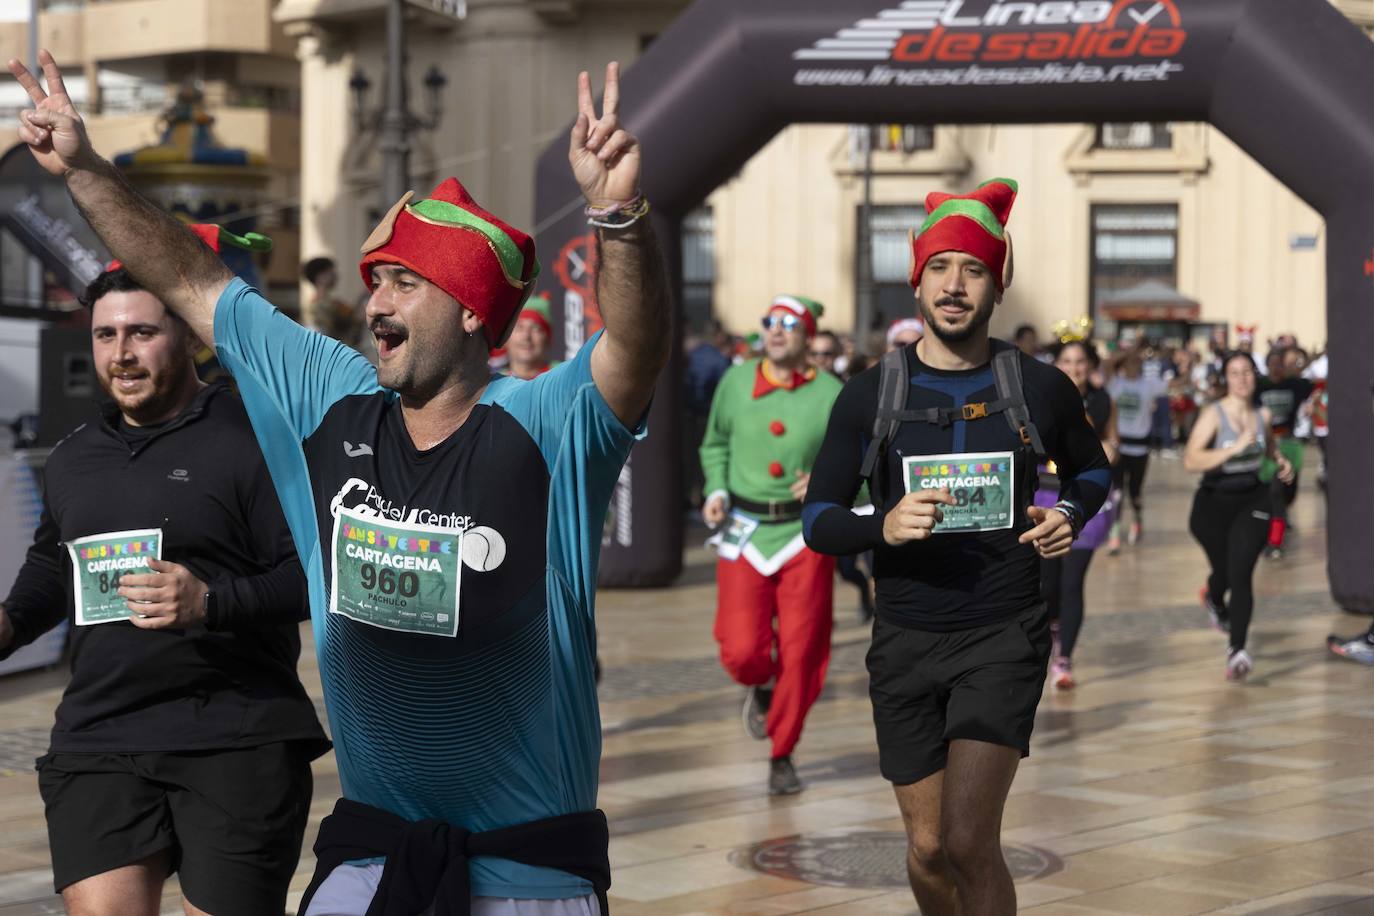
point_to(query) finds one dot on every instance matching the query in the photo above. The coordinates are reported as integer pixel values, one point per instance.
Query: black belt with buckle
(773, 510)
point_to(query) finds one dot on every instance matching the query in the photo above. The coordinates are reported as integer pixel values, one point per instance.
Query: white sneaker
(1239, 664)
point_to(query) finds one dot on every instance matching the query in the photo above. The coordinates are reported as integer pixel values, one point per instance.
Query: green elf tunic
(759, 435)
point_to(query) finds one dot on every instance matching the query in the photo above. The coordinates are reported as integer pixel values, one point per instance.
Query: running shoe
(1239, 664)
(1061, 673)
(756, 712)
(1358, 649)
(1114, 540)
(782, 777)
(1220, 622)
(1134, 535)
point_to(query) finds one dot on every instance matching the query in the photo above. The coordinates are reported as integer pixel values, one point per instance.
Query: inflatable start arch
(1287, 80)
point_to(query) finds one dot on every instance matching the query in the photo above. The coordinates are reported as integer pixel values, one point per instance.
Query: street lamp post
(394, 140)
(394, 122)
(863, 312)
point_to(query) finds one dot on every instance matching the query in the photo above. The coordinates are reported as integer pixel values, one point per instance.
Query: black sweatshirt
(230, 683)
(956, 580)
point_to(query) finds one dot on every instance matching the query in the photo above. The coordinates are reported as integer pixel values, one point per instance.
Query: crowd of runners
(436, 513)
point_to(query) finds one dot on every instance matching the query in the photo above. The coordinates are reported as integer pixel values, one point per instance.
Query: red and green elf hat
(218, 238)
(537, 310)
(972, 223)
(809, 310)
(479, 260)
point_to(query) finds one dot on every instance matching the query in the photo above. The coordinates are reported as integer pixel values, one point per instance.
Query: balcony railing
(143, 98)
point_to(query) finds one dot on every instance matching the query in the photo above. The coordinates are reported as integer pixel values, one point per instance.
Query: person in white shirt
(1135, 397)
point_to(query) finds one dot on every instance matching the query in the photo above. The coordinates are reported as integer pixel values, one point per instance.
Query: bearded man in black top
(948, 433)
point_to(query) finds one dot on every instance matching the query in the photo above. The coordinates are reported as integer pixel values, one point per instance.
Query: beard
(423, 365)
(156, 397)
(978, 320)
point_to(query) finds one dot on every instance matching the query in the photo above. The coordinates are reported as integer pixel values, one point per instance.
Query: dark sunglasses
(823, 354)
(786, 322)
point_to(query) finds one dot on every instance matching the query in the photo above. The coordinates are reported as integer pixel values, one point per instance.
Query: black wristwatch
(211, 609)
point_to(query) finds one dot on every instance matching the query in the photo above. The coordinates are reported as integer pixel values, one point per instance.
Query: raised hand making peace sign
(604, 156)
(53, 128)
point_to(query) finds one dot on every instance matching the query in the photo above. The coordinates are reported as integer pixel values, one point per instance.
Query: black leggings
(1232, 526)
(1129, 475)
(1061, 585)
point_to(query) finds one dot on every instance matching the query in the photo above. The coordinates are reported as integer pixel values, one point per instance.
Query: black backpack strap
(939, 416)
(1006, 372)
(892, 388)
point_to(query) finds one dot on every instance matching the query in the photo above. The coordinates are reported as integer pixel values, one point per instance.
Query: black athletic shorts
(931, 688)
(231, 820)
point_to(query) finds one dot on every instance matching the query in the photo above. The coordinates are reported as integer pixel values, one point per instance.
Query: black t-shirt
(954, 580)
(1283, 398)
(385, 475)
(201, 479)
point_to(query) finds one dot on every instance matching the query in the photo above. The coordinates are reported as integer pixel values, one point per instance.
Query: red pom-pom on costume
(775, 469)
(776, 428)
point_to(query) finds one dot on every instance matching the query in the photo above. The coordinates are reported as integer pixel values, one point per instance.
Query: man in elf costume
(766, 425)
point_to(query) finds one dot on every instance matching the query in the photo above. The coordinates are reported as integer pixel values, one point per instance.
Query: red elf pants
(800, 595)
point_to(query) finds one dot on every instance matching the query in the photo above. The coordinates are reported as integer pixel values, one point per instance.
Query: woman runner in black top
(1230, 516)
(1062, 578)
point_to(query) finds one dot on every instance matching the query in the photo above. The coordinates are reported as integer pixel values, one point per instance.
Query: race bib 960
(396, 575)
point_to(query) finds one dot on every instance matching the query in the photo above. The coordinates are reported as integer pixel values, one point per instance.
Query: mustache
(958, 301)
(381, 326)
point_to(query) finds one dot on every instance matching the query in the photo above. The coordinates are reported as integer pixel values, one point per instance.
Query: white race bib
(735, 534)
(98, 562)
(983, 485)
(396, 575)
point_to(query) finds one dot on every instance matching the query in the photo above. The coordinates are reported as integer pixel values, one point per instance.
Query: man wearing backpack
(948, 433)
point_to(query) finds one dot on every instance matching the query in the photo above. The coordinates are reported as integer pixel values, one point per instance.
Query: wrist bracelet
(619, 216)
(611, 209)
(1070, 511)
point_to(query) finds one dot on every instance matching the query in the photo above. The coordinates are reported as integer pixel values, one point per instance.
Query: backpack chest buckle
(975, 411)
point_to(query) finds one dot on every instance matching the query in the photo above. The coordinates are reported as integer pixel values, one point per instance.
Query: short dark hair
(314, 267)
(1024, 329)
(832, 336)
(118, 280)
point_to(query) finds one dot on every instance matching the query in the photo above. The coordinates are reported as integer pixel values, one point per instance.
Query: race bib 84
(983, 485)
(99, 560)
